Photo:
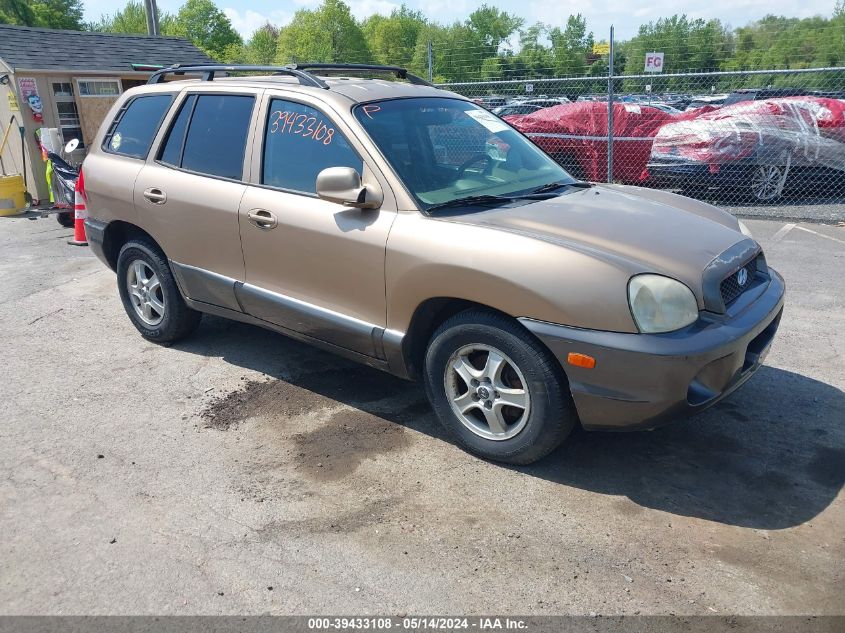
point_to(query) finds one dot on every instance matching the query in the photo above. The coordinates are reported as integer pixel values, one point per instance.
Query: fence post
(610, 109)
(430, 63)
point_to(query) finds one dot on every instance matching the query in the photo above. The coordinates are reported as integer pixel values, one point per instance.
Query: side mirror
(343, 185)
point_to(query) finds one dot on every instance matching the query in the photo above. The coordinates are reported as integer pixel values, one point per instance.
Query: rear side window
(299, 143)
(171, 153)
(136, 124)
(209, 135)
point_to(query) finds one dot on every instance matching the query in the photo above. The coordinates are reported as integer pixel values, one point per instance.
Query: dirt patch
(237, 406)
(338, 447)
(344, 521)
(360, 413)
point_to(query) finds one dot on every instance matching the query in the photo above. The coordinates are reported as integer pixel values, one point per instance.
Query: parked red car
(575, 135)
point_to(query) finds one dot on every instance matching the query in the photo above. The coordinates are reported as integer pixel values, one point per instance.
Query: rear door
(189, 191)
(112, 167)
(315, 267)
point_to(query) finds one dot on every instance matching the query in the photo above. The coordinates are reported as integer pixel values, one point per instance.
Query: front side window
(448, 149)
(299, 143)
(209, 135)
(132, 133)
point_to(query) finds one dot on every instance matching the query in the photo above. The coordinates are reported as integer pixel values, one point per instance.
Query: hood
(642, 230)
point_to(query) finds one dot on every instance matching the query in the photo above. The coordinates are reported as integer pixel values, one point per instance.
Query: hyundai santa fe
(407, 228)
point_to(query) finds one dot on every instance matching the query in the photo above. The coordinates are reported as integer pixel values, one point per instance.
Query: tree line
(489, 45)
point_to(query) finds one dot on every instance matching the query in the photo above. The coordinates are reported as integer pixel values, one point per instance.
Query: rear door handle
(262, 218)
(156, 196)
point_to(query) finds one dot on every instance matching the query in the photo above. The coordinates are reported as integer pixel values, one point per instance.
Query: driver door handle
(156, 196)
(262, 218)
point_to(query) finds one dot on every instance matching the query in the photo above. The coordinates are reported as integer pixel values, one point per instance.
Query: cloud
(248, 21)
(365, 8)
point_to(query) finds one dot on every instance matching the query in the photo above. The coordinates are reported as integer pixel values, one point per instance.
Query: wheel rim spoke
(465, 402)
(495, 420)
(465, 370)
(512, 398)
(157, 305)
(493, 368)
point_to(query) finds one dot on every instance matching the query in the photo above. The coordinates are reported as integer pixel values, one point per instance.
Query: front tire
(496, 389)
(150, 295)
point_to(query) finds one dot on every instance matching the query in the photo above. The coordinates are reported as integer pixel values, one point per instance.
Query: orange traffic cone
(80, 212)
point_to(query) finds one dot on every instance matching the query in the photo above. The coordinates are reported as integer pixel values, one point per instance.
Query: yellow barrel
(12, 199)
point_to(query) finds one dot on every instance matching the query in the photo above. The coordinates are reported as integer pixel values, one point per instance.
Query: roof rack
(208, 72)
(300, 71)
(398, 71)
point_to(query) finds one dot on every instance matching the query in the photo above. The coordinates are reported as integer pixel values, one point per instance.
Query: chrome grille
(731, 287)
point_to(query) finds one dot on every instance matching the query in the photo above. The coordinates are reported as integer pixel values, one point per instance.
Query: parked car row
(759, 148)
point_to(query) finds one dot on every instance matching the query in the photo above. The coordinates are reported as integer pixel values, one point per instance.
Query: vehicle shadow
(771, 456)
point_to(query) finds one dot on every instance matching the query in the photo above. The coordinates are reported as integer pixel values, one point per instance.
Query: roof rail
(300, 71)
(208, 72)
(398, 71)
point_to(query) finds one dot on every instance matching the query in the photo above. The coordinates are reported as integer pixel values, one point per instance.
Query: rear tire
(150, 295)
(496, 389)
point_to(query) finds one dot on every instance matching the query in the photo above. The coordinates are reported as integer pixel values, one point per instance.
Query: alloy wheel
(766, 182)
(145, 292)
(487, 392)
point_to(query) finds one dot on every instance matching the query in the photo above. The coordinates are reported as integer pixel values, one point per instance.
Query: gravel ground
(240, 472)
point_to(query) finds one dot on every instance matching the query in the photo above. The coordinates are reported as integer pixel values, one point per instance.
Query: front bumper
(641, 381)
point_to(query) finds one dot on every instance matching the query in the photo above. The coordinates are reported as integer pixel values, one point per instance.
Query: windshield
(447, 149)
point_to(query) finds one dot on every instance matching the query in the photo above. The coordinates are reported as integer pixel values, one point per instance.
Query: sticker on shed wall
(13, 102)
(488, 120)
(29, 93)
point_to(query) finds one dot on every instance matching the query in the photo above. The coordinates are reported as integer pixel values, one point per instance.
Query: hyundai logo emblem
(742, 277)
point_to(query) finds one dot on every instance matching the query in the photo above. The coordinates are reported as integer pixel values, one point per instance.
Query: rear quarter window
(135, 126)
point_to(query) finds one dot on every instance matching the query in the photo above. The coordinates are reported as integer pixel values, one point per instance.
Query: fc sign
(654, 62)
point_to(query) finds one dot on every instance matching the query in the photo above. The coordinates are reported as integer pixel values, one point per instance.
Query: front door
(312, 266)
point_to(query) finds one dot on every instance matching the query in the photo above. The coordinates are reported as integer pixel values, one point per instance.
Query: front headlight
(744, 229)
(661, 304)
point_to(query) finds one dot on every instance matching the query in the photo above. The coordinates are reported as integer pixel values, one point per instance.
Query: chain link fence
(764, 142)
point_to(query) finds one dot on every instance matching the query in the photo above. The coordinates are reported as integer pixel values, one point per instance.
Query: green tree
(208, 28)
(393, 39)
(51, 14)
(572, 46)
(16, 12)
(261, 48)
(490, 27)
(326, 34)
(536, 59)
(132, 19)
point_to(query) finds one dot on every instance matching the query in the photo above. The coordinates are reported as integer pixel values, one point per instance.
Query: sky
(248, 15)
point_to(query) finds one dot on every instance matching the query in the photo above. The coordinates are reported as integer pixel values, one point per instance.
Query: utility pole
(151, 12)
(430, 63)
(610, 109)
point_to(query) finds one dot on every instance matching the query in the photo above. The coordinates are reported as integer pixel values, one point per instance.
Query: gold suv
(407, 228)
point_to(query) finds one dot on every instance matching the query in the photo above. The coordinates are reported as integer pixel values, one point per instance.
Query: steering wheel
(472, 161)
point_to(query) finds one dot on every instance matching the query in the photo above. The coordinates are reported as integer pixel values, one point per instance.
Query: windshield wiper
(554, 186)
(541, 193)
(471, 201)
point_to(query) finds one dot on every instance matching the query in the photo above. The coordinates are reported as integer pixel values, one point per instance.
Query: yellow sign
(13, 103)
(601, 48)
